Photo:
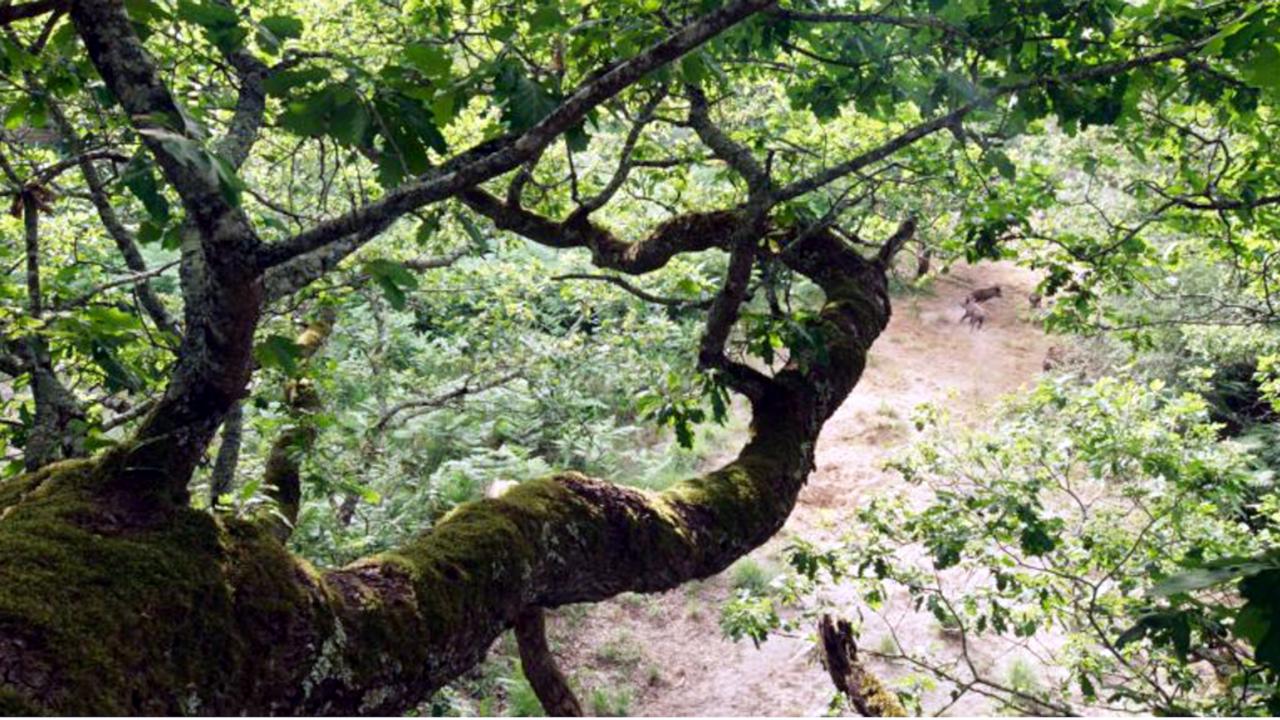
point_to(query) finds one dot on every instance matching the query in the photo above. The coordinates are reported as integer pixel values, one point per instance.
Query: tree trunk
(103, 611)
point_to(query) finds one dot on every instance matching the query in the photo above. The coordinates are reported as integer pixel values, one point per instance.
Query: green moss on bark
(106, 612)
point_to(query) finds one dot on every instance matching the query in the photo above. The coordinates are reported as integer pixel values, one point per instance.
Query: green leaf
(693, 68)
(200, 160)
(117, 375)
(140, 179)
(279, 84)
(1252, 622)
(334, 110)
(393, 278)
(431, 60)
(283, 26)
(1203, 577)
(229, 182)
(524, 102)
(207, 14)
(221, 24)
(1003, 165)
(16, 114)
(546, 17)
(478, 237)
(577, 138)
(394, 294)
(278, 352)
(1035, 540)
(1263, 69)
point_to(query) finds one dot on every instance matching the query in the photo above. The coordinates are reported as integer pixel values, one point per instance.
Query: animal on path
(981, 295)
(973, 313)
(1054, 357)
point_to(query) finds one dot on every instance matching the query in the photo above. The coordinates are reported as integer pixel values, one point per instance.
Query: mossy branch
(862, 688)
(117, 604)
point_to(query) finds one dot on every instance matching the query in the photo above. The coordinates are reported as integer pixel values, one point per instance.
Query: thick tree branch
(692, 232)
(57, 430)
(129, 72)
(381, 634)
(223, 476)
(863, 689)
(282, 476)
(222, 291)
(251, 105)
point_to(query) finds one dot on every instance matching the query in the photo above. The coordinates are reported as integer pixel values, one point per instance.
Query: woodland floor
(666, 654)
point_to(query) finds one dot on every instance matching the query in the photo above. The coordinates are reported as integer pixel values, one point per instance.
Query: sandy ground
(666, 653)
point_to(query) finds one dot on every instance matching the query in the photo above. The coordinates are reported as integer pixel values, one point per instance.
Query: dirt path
(666, 655)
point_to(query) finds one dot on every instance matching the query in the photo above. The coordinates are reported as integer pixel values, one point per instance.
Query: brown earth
(666, 655)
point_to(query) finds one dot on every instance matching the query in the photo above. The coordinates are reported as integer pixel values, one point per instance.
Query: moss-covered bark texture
(114, 602)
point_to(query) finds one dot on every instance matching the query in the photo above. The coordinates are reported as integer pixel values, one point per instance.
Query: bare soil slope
(666, 655)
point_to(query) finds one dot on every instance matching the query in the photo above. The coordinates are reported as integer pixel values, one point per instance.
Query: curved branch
(625, 163)
(691, 232)
(282, 476)
(381, 634)
(734, 154)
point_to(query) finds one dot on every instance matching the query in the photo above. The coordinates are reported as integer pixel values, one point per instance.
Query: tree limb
(863, 689)
(637, 291)
(379, 635)
(125, 241)
(441, 400)
(483, 163)
(539, 665)
(929, 127)
(12, 13)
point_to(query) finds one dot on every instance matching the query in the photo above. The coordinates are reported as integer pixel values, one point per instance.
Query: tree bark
(539, 665)
(851, 678)
(108, 612)
(58, 428)
(222, 293)
(222, 477)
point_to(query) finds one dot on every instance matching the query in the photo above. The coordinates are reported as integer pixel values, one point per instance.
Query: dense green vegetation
(292, 286)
